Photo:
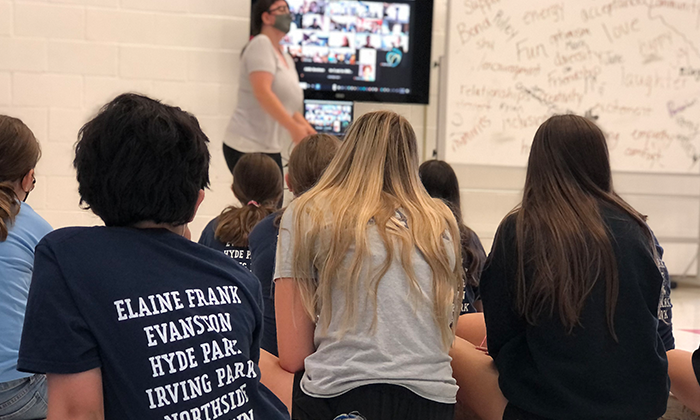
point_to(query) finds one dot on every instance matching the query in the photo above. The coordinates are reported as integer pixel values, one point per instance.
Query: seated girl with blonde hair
(369, 284)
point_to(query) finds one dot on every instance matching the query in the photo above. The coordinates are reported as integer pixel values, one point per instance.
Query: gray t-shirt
(252, 129)
(405, 348)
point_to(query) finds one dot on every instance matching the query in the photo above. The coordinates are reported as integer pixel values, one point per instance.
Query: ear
(268, 18)
(286, 181)
(27, 183)
(200, 198)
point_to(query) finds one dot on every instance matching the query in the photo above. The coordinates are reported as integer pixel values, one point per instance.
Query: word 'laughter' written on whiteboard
(633, 66)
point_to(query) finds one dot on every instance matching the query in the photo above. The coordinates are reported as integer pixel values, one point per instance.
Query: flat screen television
(362, 50)
(332, 117)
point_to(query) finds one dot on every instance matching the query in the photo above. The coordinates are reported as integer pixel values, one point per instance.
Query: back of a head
(569, 154)
(19, 153)
(440, 181)
(379, 155)
(140, 160)
(258, 185)
(560, 224)
(309, 160)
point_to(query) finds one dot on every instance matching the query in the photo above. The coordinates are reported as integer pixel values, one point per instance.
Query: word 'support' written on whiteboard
(633, 66)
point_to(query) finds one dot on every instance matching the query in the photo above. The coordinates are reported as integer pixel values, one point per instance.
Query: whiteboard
(631, 65)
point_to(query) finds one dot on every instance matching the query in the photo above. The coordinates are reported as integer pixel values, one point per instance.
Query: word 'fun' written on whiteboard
(633, 66)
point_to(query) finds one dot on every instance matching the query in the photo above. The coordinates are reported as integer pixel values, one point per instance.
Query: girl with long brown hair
(572, 287)
(22, 395)
(257, 185)
(440, 180)
(368, 284)
(307, 162)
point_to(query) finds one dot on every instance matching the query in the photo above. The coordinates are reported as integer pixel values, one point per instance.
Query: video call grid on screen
(332, 117)
(353, 46)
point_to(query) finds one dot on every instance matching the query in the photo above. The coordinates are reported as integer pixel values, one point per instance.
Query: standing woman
(368, 284)
(22, 396)
(269, 96)
(572, 288)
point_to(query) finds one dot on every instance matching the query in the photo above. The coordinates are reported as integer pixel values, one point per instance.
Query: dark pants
(369, 402)
(514, 413)
(232, 156)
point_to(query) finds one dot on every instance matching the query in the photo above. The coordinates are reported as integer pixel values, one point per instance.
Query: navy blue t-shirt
(241, 254)
(665, 328)
(174, 326)
(263, 246)
(586, 373)
(471, 293)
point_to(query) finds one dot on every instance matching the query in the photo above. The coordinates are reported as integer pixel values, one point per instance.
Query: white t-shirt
(251, 129)
(405, 349)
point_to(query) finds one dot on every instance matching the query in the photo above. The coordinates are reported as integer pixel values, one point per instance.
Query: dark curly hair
(140, 160)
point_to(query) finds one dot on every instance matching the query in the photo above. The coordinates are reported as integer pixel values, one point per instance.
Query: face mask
(283, 22)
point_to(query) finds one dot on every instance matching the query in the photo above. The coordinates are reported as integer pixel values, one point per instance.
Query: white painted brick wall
(5, 89)
(49, 21)
(61, 60)
(83, 58)
(21, 54)
(5, 18)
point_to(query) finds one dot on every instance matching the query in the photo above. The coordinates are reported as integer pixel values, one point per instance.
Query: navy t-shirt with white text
(240, 254)
(174, 326)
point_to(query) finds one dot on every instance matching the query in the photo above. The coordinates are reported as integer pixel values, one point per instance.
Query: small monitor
(332, 117)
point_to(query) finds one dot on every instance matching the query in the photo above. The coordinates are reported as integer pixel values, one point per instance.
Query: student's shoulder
(67, 235)
(506, 229)
(209, 230)
(265, 227)
(33, 218)
(622, 226)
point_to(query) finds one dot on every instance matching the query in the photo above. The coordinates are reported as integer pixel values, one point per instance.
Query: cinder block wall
(60, 60)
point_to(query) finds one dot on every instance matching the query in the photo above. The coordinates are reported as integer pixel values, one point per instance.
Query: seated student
(684, 371)
(307, 162)
(22, 396)
(257, 185)
(571, 290)
(132, 320)
(368, 283)
(440, 180)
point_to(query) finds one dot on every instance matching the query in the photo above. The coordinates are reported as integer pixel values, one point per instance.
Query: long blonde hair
(374, 173)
